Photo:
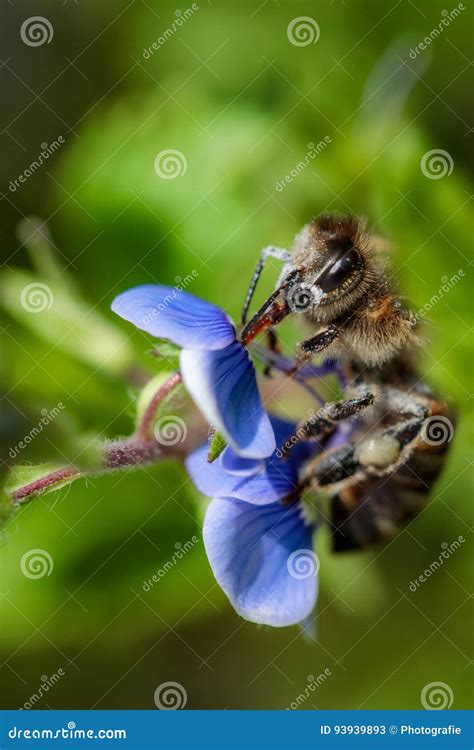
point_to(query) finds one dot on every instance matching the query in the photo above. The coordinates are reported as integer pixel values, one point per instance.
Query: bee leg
(377, 455)
(378, 484)
(317, 343)
(405, 403)
(267, 252)
(324, 421)
(273, 344)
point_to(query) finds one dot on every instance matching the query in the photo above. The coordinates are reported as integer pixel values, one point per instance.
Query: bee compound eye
(341, 269)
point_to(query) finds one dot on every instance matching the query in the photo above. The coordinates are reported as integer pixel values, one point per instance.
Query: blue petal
(257, 555)
(244, 479)
(168, 313)
(238, 466)
(272, 482)
(224, 387)
(282, 428)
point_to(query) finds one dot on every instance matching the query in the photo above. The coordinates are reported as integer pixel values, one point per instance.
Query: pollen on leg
(379, 451)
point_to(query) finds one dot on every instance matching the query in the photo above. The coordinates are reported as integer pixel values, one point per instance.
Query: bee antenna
(251, 290)
(268, 252)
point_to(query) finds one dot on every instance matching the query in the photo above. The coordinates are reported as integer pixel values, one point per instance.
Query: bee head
(333, 266)
(331, 251)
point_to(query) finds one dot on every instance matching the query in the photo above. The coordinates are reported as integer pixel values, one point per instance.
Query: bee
(383, 447)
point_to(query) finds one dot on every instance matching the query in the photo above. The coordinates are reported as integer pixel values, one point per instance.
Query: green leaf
(216, 446)
(56, 314)
(168, 353)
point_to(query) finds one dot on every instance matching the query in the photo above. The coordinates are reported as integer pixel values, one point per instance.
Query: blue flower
(215, 367)
(256, 482)
(259, 548)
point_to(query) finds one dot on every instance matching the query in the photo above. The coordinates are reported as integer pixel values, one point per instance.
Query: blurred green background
(231, 92)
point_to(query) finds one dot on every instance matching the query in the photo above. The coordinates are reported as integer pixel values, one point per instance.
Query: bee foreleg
(318, 343)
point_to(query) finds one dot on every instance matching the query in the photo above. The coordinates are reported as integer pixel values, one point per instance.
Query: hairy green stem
(43, 483)
(139, 449)
(145, 428)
